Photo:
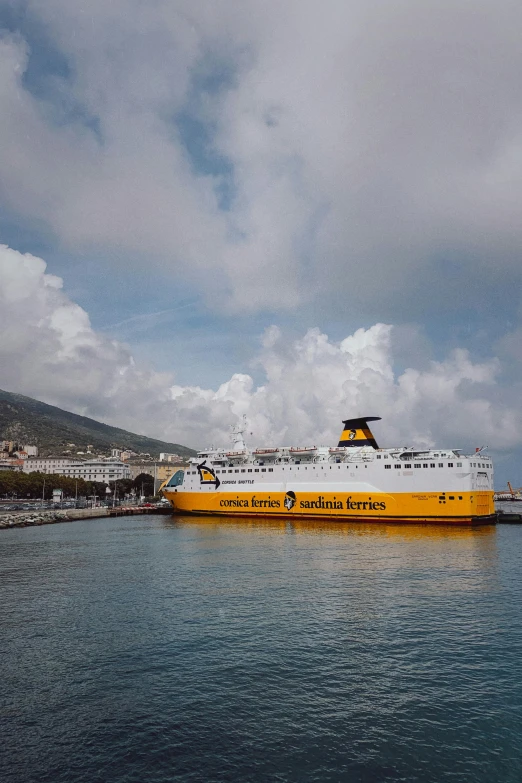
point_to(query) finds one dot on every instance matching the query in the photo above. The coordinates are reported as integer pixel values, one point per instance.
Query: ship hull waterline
(466, 508)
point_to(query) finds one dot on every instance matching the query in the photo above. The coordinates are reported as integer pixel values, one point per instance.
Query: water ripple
(190, 650)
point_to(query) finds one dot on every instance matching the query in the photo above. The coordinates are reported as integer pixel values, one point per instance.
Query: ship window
(236, 471)
(397, 467)
(256, 470)
(243, 470)
(250, 470)
(460, 497)
(432, 464)
(452, 497)
(407, 464)
(230, 471)
(263, 470)
(459, 464)
(385, 456)
(450, 464)
(378, 456)
(424, 464)
(270, 470)
(441, 464)
(417, 465)
(387, 467)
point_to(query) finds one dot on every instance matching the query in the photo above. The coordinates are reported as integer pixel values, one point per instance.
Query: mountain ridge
(30, 421)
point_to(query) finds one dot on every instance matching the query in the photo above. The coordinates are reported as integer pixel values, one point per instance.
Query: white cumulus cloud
(49, 350)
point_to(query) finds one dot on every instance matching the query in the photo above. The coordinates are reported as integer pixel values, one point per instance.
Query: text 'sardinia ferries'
(353, 480)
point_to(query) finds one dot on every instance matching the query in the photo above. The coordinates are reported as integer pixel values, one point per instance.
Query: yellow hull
(469, 508)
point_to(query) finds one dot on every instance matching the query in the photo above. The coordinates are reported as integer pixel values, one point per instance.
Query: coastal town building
(49, 465)
(11, 464)
(166, 457)
(156, 470)
(98, 470)
(9, 446)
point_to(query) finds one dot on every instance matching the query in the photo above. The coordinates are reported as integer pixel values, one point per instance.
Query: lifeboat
(337, 450)
(265, 454)
(303, 452)
(235, 455)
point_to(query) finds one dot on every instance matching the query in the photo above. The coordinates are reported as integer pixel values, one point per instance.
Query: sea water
(155, 649)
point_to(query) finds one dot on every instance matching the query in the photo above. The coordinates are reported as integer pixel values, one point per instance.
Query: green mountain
(29, 421)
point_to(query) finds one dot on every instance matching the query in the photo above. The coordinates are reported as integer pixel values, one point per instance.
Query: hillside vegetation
(28, 421)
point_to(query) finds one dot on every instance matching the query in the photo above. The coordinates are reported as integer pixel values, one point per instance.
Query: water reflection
(331, 528)
(445, 557)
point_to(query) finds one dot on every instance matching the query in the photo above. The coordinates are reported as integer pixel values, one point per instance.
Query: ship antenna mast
(237, 434)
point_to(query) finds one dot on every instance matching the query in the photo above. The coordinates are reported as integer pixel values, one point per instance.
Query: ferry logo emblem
(352, 434)
(290, 500)
(207, 475)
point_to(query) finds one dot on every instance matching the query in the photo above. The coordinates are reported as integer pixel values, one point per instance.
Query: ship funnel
(357, 433)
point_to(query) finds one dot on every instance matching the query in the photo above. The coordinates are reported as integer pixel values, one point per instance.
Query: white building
(97, 470)
(166, 457)
(32, 451)
(49, 464)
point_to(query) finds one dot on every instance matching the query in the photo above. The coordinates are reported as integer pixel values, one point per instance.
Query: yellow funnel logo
(356, 433)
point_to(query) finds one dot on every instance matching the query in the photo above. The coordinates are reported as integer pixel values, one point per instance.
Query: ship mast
(237, 435)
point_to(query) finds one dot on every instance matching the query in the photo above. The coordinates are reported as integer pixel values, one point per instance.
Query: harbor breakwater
(38, 517)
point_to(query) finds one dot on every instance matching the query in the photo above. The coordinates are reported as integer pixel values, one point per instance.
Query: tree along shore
(41, 485)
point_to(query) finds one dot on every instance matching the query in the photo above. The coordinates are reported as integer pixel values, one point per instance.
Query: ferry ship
(352, 481)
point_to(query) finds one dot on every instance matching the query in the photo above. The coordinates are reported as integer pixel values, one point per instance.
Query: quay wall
(32, 518)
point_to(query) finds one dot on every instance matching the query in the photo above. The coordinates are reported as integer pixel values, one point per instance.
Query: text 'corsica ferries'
(355, 480)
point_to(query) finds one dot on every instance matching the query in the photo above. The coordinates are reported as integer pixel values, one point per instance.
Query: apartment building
(97, 470)
(49, 464)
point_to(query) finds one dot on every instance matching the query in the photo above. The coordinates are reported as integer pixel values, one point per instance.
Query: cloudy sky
(296, 210)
